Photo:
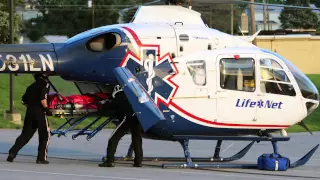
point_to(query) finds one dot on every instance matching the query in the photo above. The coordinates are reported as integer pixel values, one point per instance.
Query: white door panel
(236, 107)
(236, 89)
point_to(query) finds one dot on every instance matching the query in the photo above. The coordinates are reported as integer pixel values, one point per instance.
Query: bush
(35, 34)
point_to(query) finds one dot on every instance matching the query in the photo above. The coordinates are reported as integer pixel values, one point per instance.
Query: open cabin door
(143, 105)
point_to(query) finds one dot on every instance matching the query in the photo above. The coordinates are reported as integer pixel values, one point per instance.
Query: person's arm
(44, 97)
(44, 103)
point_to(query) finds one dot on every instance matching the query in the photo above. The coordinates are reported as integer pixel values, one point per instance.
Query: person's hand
(48, 112)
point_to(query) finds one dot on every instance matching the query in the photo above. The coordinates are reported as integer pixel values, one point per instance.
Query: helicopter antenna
(241, 31)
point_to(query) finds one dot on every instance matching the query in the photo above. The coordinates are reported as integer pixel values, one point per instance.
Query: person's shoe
(137, 165)
(106, 164)
(10, 158)
(42, 162)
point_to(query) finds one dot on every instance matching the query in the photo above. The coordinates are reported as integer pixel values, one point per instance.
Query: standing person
(35, 98)
(123, 110)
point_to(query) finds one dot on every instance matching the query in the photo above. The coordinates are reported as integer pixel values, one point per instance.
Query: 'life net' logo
(248, 103)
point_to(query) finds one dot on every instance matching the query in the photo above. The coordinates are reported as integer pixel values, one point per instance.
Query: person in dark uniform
(121, 109)
(35, 98)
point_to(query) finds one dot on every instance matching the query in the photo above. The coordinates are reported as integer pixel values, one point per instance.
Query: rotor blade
(302, 124)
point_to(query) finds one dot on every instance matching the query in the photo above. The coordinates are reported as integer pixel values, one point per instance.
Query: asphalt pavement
(79, 159)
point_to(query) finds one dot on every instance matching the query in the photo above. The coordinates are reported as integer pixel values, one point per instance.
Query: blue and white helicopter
(185, 81)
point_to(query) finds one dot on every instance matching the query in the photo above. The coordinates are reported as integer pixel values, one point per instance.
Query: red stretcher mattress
(86, 101)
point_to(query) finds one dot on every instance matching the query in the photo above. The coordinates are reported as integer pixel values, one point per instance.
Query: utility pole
(93, 13)
(11, 42)
(264, 15)
(253, 21)
(11, 114)
(231, 19)
(91, 5)
(268, 17)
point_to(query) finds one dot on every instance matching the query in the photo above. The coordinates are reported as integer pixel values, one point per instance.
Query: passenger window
(238, 74)
(104, 42)
(270, 63)
(273, 74)
(197, 70)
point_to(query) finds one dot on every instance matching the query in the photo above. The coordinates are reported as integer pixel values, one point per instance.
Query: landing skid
(190, 162)
(215, 158)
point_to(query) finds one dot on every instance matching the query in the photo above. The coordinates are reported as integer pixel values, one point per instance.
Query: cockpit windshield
(307, 88)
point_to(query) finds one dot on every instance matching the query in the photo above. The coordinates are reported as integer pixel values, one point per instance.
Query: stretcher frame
(75, 116)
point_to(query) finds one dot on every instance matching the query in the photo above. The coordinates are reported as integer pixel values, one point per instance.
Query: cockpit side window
(197, 70)
(237, 74)
(104, 42)
(274, 79)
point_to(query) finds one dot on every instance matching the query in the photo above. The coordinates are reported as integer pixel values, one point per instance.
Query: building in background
(28, 11)
(272, 17)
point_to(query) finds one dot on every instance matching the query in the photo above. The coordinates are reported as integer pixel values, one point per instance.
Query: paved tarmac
(79, 159)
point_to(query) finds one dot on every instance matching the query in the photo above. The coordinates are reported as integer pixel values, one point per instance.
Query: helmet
(39, 76)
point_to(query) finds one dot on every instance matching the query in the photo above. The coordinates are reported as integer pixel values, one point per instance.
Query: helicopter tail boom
(28, 58)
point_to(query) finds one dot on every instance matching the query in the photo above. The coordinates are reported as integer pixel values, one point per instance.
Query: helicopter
(184, 80)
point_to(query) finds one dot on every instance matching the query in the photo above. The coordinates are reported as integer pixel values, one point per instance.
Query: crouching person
(123, 111)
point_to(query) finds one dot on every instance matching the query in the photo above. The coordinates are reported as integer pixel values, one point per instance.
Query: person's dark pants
(131, 123)
(35, 119)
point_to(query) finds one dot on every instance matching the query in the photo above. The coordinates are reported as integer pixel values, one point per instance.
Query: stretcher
(78, 108)
(76, 105)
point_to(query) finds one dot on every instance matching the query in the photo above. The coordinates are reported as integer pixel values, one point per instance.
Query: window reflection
(237, 74)
(266, 62)
(104, 42)
(273, 74)
(197, 70)
(97, 44)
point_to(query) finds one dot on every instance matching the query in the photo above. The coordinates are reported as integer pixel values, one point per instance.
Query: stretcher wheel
(88, 138)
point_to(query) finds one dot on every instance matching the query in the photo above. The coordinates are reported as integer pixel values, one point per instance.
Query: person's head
(40, 76)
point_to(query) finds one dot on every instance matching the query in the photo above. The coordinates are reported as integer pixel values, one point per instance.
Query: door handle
(217, 96)
(221, 90)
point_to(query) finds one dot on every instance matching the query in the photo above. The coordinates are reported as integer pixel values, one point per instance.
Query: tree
(298, 18)
(4, 22)
(65, 17)
(316, 2)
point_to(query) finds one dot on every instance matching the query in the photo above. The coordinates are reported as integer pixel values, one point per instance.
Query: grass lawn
(68, 88)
